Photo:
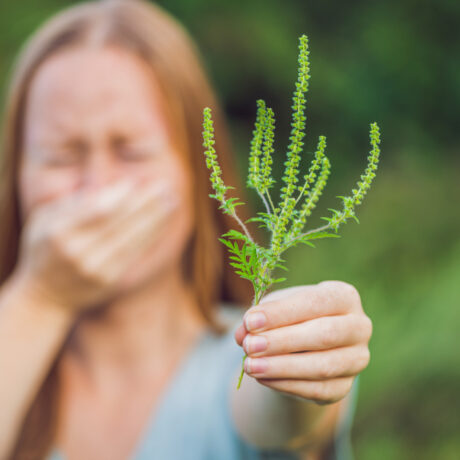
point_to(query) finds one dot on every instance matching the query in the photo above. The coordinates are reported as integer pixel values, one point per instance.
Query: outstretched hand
(308, 341)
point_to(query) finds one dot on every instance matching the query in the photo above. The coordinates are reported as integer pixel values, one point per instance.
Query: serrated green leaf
(279, 280)
(236, 235)
(255, 219)
(233, 264)
(334, 211)
(227, 243)
(308, 243)
(282, 267)
(244, 275)
(234, 202)
(315, 236)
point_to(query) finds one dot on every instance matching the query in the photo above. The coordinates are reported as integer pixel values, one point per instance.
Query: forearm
(270, 419)
(30, 336)
(316, 425)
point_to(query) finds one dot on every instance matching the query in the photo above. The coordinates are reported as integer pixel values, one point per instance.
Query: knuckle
(90, 272)
(85, 270)
(103, 278)
(324, 372)
(326, 394)
(345, 386)
(66, 251)
(334, 285)
(326, 369)
(101, 208)
(56, 242)
(328, 336)
(343, 292)
(349, 384)
(329, 286)
(330, 392)
(361, 357)
(368, 328)
(365, 357)
(317, 391)
(354, 299)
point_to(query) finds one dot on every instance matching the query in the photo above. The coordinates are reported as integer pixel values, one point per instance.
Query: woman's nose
(99, 170)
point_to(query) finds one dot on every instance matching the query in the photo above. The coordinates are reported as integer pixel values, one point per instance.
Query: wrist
(31, 298)
(315, 424)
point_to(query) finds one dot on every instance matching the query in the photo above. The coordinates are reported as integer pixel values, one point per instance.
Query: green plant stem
(246, 231)
(242, 372)
(271, 202)
(301, 193)
(250, 260)
(258, 296)
(267, 207)
(315, 230)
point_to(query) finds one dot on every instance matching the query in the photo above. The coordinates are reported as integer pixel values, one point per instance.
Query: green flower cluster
(350, 202)
(260, 156)
(211, 158)
(310, 200)
(220, 189)
(286, 222)
(287, 202)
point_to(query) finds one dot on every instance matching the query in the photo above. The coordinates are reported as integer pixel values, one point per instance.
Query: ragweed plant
(287, 220)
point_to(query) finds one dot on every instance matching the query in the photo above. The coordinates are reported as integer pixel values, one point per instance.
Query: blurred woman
(120, 319)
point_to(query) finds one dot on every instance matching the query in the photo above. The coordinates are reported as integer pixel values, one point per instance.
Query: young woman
(120, 319)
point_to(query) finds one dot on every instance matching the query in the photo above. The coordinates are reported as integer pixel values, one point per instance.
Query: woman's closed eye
(61, 156)
(138, 150)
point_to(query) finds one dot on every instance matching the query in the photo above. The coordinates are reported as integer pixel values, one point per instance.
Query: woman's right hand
(74, 250)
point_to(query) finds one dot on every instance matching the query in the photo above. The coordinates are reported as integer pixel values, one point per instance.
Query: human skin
(316, 344)
(85, 248)
(85, 130)
(313, 343)
(92, 243)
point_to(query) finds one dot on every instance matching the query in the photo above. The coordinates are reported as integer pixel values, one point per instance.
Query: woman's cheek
(37, 187)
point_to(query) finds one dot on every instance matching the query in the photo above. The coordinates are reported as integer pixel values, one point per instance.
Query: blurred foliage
(394, 62)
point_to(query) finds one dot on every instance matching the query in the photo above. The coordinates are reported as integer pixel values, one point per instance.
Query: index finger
(302, 303)
(67, 208)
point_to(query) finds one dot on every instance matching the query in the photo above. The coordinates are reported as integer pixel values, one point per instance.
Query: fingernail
(254, 344)
(255, 321)
(255, 365)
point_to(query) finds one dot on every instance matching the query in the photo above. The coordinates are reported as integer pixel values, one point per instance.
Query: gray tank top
(192, 420)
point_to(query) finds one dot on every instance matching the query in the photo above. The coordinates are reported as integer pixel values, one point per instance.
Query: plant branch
(319, 229)
(270, 201)
(258, 263)
(267, 207)
(246, 231)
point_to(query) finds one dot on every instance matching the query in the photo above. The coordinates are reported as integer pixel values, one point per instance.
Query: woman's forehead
(92, 85)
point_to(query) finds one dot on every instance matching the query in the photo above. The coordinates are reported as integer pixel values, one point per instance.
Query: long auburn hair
(151, 33)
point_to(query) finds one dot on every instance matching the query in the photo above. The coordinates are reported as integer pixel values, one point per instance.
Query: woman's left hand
(315, 338)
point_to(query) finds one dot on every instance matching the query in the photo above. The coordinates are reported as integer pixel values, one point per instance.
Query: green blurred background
(394, 62)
